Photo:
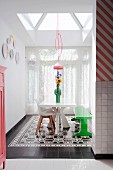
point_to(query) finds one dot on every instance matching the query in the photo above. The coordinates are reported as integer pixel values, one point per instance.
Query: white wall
(14, 79)
(69, 38)
(104, 84)
(93, 78)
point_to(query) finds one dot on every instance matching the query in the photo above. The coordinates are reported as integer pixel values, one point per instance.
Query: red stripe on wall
(103, 72)
(104, 19)
(104, 10)
(103, 28)
(105, 39)
(104, 55)
(104, 64)
(101, 43)
(100, 78)
(108, 5)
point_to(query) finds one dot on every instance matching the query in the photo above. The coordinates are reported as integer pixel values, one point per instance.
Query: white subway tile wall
(104, 117)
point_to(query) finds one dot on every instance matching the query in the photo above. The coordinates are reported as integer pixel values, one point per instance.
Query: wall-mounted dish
(11, 54)
(5, 50)
(17, 57)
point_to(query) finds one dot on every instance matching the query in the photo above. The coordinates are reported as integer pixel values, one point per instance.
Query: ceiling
(9, 10)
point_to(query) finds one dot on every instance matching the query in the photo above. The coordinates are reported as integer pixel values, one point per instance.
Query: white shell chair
(68, 110)
(45, 112)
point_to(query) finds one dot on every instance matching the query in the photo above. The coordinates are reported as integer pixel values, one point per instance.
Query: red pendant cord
(58, 40)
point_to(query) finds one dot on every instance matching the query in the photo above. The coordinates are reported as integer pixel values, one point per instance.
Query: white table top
(53, 103)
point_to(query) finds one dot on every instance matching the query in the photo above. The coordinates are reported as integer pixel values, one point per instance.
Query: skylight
(30, 20)
(25, 22)
(83, 17)
(65, 22)
(34, 18)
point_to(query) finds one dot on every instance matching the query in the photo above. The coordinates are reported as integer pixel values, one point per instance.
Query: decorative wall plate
(17, 57)
(8, 41)
(11, 54)
(14, 43)
(5, 50)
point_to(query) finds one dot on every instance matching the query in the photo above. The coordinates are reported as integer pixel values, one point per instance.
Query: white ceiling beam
(76, 20)
(40, 21)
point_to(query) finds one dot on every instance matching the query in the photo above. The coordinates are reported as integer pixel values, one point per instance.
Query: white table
(60, 106)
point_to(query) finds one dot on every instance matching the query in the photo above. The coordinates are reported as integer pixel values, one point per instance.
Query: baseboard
(12, 129)
(102, 156)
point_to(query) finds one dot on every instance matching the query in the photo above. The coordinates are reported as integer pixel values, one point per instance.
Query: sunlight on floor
(58, 164)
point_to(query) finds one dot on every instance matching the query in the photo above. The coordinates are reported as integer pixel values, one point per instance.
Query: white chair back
(43, 110)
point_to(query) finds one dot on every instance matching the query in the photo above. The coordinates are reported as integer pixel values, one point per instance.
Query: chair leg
(39, 124)
(51, 123)
(53, 119)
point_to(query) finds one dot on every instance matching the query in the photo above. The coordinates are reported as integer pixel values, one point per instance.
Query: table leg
(64, 120)
(83, 131)
(57, 122)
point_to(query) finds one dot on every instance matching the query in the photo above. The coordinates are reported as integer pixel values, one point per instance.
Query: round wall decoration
(8, 41)
(11, 54)
(5, 50)
(14, 44)
(17, 57)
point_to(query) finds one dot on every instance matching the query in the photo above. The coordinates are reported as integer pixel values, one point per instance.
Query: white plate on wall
(17, 57)
(5, 50)
(11, 54)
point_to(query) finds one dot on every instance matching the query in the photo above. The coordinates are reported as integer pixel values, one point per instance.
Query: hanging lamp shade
(58, 66)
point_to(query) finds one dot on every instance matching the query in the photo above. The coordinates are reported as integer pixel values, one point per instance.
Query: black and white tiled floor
(37, 152)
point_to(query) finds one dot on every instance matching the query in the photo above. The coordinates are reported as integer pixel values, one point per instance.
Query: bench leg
(83, 131)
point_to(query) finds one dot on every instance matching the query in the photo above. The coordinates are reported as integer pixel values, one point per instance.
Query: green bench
(82, 115)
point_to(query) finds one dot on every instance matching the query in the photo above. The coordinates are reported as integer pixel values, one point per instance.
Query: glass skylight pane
(88, 26)
(49, 23)
(65, 21)
(34, 18)
(82, 17)
(24, 22)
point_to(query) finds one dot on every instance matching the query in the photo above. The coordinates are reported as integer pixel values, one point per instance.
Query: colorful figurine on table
(57, 91)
